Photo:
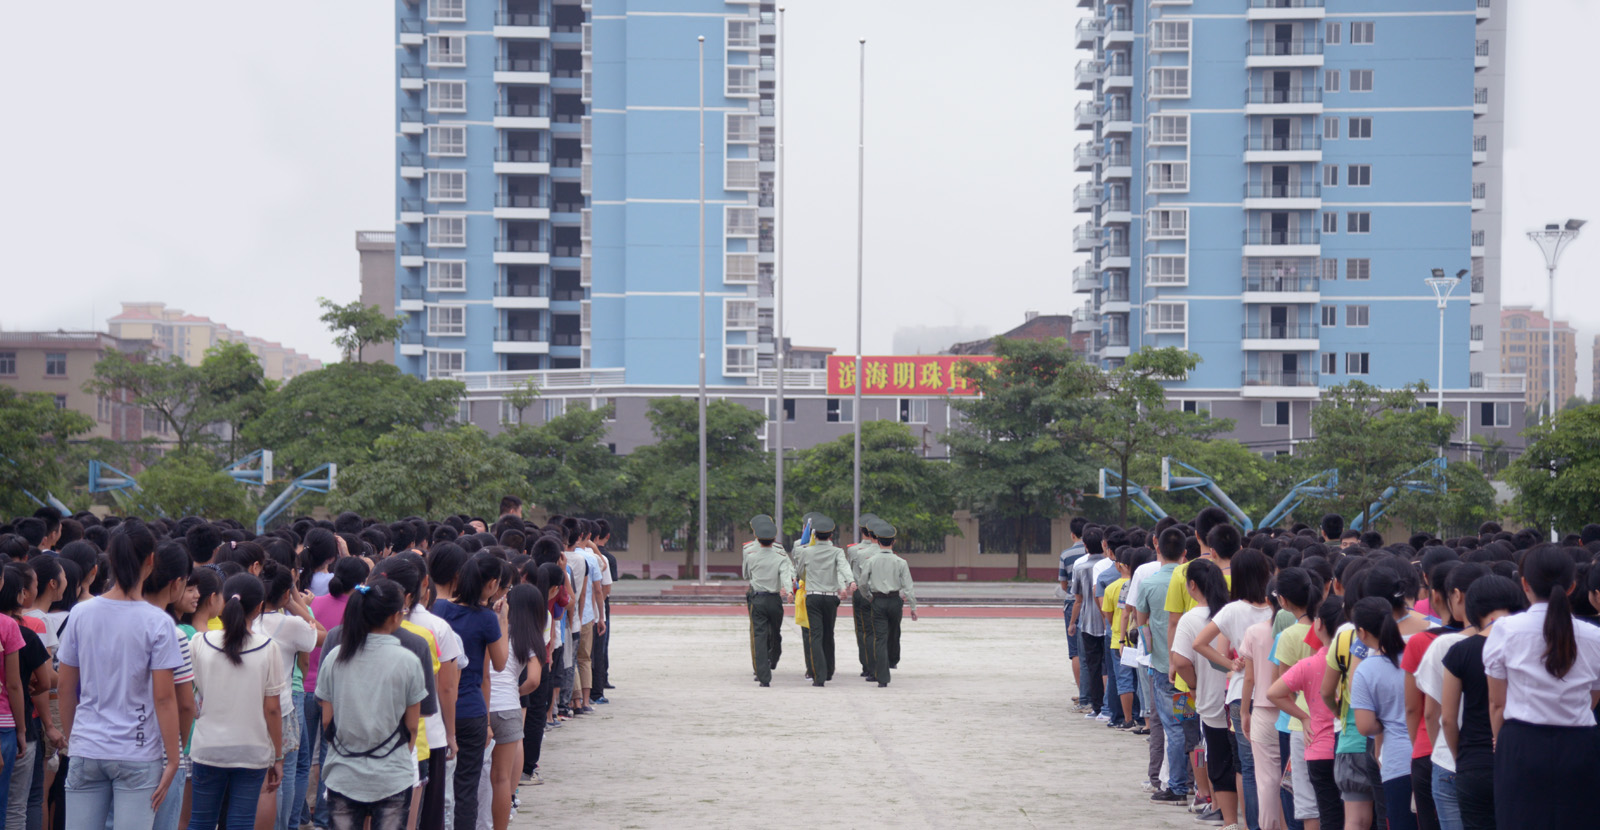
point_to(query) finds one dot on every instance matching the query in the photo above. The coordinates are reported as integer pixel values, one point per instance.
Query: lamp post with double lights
(1552, 240)
(1442, 287)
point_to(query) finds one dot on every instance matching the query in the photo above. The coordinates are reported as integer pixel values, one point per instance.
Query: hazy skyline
(233, 183)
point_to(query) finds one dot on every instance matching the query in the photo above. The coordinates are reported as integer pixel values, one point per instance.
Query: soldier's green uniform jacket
(769, 570)
(858, 556)
(887, 573)
(824, 568)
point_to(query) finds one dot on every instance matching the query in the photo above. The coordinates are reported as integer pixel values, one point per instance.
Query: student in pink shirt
(1299, 693)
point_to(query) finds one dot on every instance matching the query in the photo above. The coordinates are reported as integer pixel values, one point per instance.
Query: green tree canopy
(356, 326)
(1557, 477)
(739, 474)
(34, 453)
(338, 413)
(568, 465)
(1254, 483)
(235, 389)
(1467, 503)
(412, 472)
(1012, 455)
(175, 391)
(912, 493)
(190, 484)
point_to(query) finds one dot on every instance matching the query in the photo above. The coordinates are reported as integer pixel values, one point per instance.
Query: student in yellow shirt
(1123, 678)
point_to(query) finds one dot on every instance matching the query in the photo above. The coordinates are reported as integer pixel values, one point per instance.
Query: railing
(1279, 331)
(522, 65)
(1480, 95)
(1282, 190)
(1088, 28)
(567, 161)
(1278, 377)
(410, 337)
(1117, 291)
(566, 207)
(1283, 143)
(522, 200)
(566, 338)
(534, 155)
(567, 250)
(1480, 144)
(1085, 233)
(1090, 192)
(1086, 155)
(1119, 23)
(410, 70)
(1117, 205)
(1477, 284)
(1276, 268)
(521, 289)
(1276, 237)
(1088, 69)
(1118, 114)
(1284, 95)
(1483, 48)
(1278, 48)
(1483, 4)
(410, 205)
(1286, 4)
(1282, 282)
(547, 379)
(1116, 160)
(410, 292)
(1477, 239)
(411, 249)
(1117, 338)
(1087, 111)
(767, 152)
(411, 115)
(539, 110)
(375, 237)
(410, 159)
(1476, 333)
(1120, 69)
(567, 295)
(539, 246)
(410, 27)
(1117, 249)
(1480, 190)
(1502, 382)
(521, 19)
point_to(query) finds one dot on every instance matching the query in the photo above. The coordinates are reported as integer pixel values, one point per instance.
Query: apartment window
(1169, 129)
(739, 314)
(1358, 269)
(1330, 80)
(1494, 415)
(447, 275)
(447, 320)
(447, 140)
(1358, 221)
(1167, 224)
(1359, 175)
(1360, 80)
(447, 96)
(1330, 315)
(554, 408)
(741, 174)
(1330, 223)
(1169, 82)
(913, 410)
(1361, 33)
(788, 410)
(1330, 269)
(55, 364)
(739, 360)
(447, 231)
(443, 364)
(1330, 175)
(1196, 407)
(447, 50)
(447, 185)
(741, 81)
(1169, 34)
(741, 128)
(741, 269)
(8, 363)
(1274, 413)
(1361, 127)
(1169, 176)
(742, 34)
(841, 411)
(1355, 363)
(1516, 364)
(1167, 317)
(1330, 363)
(1167, 270)
(449, 10)
(1356, 316)
(741, 221)
(1330, 127)
(510, 413)
(1331, 34)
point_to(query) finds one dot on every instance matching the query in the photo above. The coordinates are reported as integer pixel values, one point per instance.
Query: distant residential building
(1035, 326)
(1524, 350)
(59, 363)
(165, 332)
(376, 249)
(806, 357)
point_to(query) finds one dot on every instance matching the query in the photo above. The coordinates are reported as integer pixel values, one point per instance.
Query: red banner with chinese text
(926, 375)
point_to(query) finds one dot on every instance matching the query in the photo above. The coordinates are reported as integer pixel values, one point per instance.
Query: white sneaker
(1149, 787)
(1090, 716)
(1102, 718)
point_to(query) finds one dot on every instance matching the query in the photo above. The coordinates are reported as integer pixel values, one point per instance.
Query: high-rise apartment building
(165, 332)
(1525, 350)
(376, 252)
(547, 194)
(1273, 180)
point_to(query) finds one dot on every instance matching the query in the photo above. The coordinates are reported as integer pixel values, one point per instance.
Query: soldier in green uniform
(827, 573)
(888, 578)
(861, 601)
(771, 576)
(751, 547)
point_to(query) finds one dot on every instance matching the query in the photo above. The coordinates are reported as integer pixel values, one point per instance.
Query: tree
(912, 493)
(1557, 478)
(1254, 483)
(356, 326)
(190, 484)
(1373, 437)
(568, 465)
(1494, 454)
(1129, 414)
(34, 438)
(416, 473)
(234, 389)
(337, 413)
(172, 389)
(739, 474)
(1011, 456)
(522, 396)
(1575, 402)
(1468, 502)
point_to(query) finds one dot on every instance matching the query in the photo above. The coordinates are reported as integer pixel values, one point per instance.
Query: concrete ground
(974, 731)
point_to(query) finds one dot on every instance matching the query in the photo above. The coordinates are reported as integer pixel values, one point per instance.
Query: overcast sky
(221, 158)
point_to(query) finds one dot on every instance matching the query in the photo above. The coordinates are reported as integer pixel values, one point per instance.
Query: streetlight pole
(1552, 241)
(861, 206)
(779, 352)
(1442, 287)
(702, 246)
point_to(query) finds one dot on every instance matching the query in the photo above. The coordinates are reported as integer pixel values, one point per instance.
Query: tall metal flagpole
(702, 540)
(777, 313)
(861, 204)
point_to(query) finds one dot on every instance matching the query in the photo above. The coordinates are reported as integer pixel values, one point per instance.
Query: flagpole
(861, 202)
(702, 540)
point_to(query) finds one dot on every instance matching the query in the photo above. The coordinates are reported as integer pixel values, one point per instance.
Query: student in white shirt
(1206, 584)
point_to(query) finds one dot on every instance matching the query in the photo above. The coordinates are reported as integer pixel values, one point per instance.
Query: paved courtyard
(974, 731)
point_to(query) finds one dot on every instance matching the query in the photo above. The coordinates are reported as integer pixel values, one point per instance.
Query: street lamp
(1442, 286)
(780, 357)
(1552, 241)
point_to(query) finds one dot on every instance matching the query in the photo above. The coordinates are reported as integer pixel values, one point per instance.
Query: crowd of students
(190, 673)
(1317, 677)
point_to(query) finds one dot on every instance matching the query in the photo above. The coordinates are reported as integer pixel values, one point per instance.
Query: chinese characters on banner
(930, 375)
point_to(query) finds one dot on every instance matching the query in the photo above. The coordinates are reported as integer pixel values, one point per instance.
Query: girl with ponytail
(522, 616)
(1544, 682)
(1378, 699)
(238, 737)
(468, 580)
(287, 621)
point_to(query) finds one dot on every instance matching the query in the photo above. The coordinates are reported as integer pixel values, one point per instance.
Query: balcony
(1116, 211)
(1289, 100)
(411, 255)
(1087, 72)
(521, 295)
(1116, 166)
(521, 251)
(1085, 238)
(1085, 278)
(1282, 195)
(411, 121)
(1117, 340)
(1278, 383)
(1480, 101)
(1119, 75)
(411, 298)
(1115, 255)
(1086, 197)
(411, 166)
(1483, 9)
(411, 77)
(1280, 288)
(521, 71)
(1086, 114)
(410, 343)
(1476, 295)
(1475, 339)
(1480, 149)
(1085, 157)
(521, 206)
(1087, 32)
(1285, 10)
(1270, 53)
(1279, 337)
(1477, 243)
(509, 116)
(1480, 195)
(1085, 319)
(1280, 149)
(1480, 58)
(521, 25)
(1118, 119)
(522, 341)
(1118, 29)
(1282, 243)
(411, 32)
(411, 211)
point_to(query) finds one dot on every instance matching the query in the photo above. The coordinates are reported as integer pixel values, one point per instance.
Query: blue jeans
(1247, 767)
(1444, 799)
(310, 732)
(99, 791)
(1113, 704)
(1127, 683)
(171, 809)
(1180, 779)
(8, 751)
(242, 787)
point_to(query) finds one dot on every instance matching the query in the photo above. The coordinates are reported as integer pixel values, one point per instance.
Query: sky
(221, 160)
